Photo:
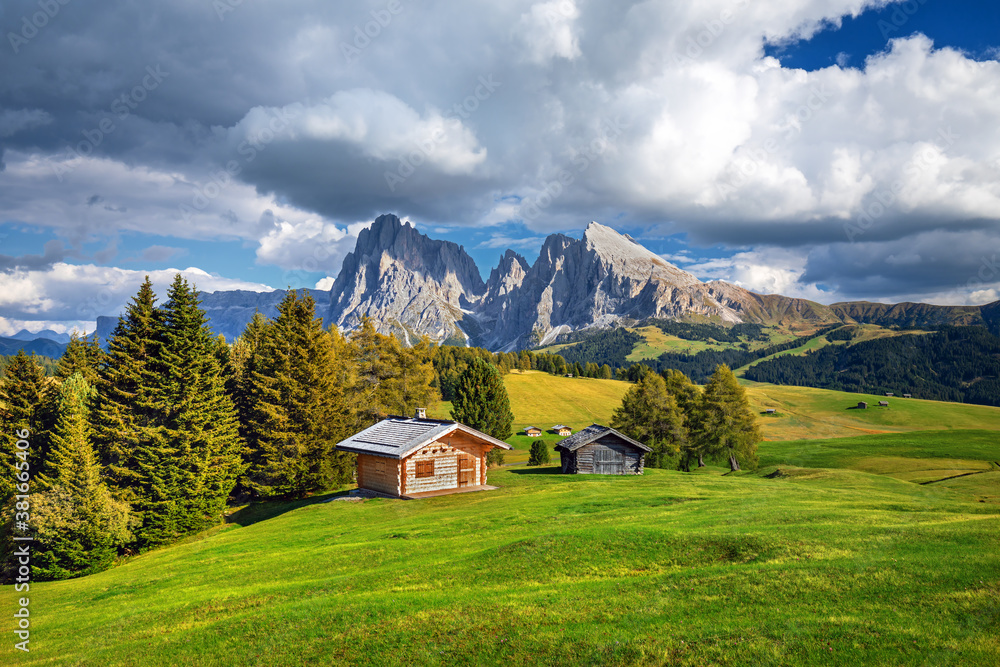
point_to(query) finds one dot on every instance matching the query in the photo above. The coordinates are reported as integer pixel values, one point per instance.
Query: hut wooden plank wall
(601, 450)
(402, 457)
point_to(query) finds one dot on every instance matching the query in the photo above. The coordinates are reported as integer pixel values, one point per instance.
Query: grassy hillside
(816, 567)
(860, 550)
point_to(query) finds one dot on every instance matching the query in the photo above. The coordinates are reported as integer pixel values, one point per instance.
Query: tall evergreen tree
(22, 393)
(126, 410)
(481, 402)
(198, 417)
(727, 427)
(650, 414)
(79, 526)
(298, 409)
(687, 395)
(82, 355)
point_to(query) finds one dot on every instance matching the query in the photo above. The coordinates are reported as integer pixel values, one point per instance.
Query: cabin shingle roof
(593, 432)
(398, 437)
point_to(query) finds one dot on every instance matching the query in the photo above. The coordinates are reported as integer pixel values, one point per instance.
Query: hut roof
(559, 427)
(593, 432)
(398, 437)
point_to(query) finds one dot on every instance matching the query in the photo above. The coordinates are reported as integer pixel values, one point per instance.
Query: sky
(827, 149)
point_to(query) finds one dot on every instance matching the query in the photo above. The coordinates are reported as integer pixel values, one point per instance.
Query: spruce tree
(126, 410)
(539, 454)
(197, 417)
(727, 428)
(23, 391)
(82, 355)
(297, 408)
(650, 414)
(481, 402)
(79, 526)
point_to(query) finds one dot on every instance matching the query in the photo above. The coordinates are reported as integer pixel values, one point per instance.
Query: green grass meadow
(860, 548)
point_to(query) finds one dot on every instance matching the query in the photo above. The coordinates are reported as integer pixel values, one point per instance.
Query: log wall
(378, 473)
(445, 454)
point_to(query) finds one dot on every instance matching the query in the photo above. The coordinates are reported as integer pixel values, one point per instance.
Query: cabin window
(380, 466)
(425, 468)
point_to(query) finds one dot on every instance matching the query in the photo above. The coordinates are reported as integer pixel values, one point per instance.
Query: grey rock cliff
(408, 284)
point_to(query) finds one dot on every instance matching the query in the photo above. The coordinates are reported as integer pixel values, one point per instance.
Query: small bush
(539, 453)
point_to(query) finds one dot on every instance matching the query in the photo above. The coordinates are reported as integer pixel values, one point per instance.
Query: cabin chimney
(421, 413)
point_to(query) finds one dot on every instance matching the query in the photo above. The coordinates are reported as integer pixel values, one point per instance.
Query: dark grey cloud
(155, 116)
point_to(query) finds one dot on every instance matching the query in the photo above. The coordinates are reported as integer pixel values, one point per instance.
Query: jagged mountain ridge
(412, 285)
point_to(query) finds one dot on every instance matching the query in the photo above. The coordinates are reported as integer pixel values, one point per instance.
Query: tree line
(140, 445)
(954, 364)
(685, 425)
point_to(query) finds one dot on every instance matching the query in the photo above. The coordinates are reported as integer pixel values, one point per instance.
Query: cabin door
(466, 470)
(608, 462)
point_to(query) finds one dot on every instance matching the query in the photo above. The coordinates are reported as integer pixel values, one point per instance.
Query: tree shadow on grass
(268, 509)
(540, 470)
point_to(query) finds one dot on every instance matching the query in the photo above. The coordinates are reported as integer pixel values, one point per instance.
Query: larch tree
(651, 415)
(727, 428)
(79, 526)
(687, 396)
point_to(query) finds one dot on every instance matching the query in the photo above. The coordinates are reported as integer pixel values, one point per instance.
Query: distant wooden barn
(771, 411)
(414, 457)
(906, 396)
(862, 405)
(601, 450)
(888, 393)
(563, 430)
(883, 404)
(533, 431)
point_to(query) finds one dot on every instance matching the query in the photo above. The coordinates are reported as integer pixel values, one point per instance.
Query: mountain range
(411, 285)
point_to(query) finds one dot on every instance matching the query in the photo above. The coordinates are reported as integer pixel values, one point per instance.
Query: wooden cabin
(770, 411)
(601, 450)
(562, 429)
(414, 457)
(533, 431)
(888, 393)
(906, 396)
(883, 404)
(862, 405)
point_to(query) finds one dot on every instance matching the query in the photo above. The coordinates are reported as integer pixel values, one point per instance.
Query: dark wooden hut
(601, 450)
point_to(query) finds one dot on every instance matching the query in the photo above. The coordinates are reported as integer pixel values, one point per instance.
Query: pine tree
(78, 525)
(727, 427)
(539, 454)
(126, 411)
(197, 416)
(82, 355)
(650, 414)
(687, 395)
(22, 393)
(481, 402)
(297, 408)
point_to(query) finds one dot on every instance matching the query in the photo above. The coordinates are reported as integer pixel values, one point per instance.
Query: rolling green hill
(847, 547)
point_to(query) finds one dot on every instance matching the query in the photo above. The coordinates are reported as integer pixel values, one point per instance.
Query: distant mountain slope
(40, 346)
(955, 364)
